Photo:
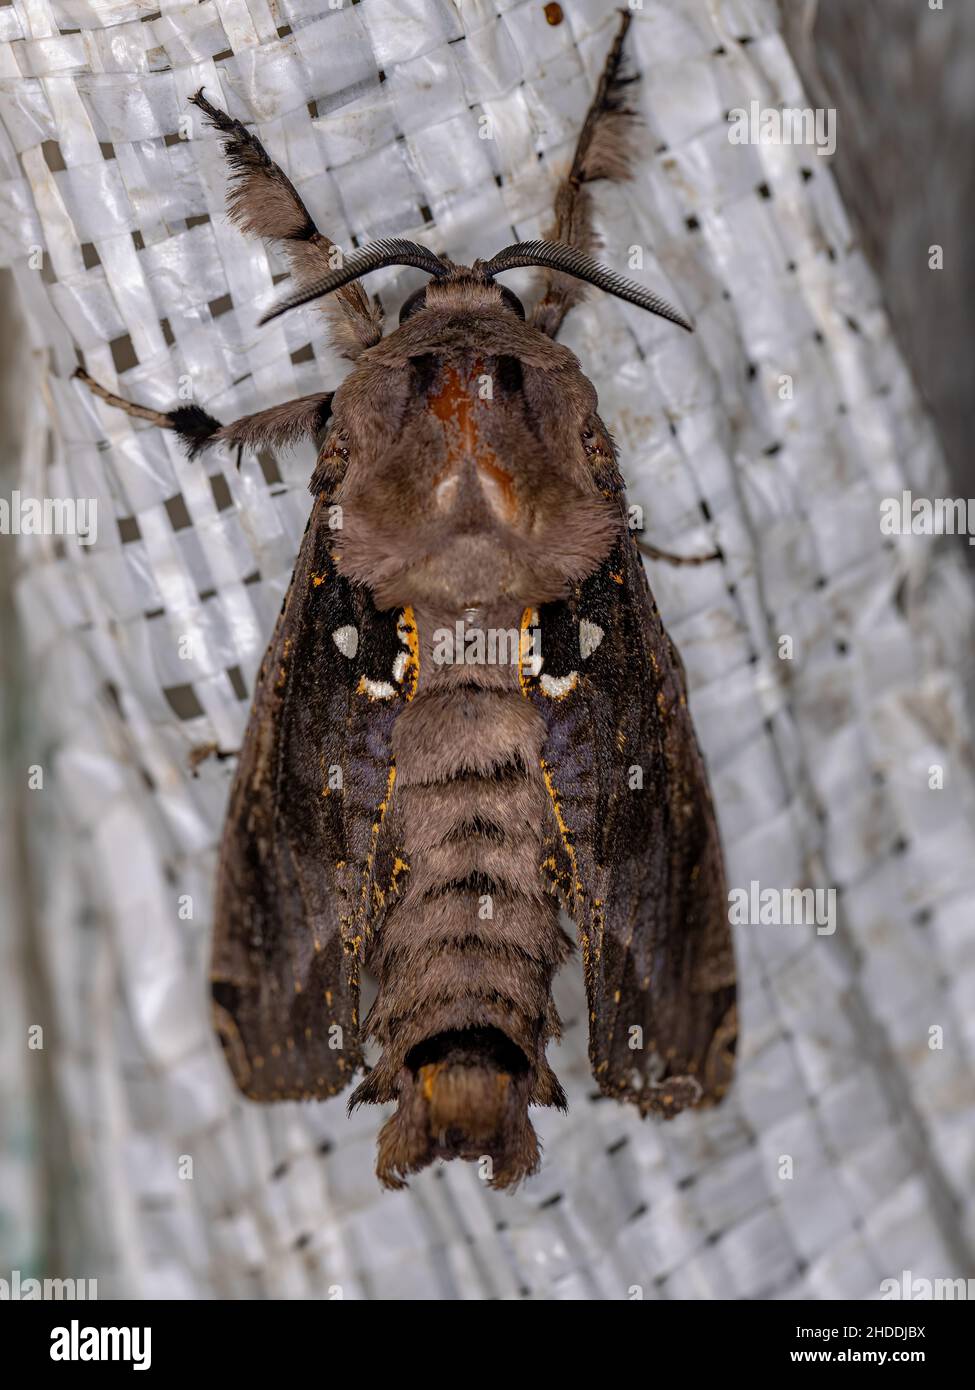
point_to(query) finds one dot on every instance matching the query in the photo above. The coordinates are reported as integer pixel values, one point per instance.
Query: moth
(425, 819)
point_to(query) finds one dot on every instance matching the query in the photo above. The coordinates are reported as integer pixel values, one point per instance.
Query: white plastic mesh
(819, 764)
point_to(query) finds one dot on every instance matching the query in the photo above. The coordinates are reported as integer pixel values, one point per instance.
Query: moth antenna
(388, 251)
(264, 202)
(279, 426)
(567, 260)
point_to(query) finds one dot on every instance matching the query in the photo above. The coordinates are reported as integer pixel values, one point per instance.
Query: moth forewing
(636, 853)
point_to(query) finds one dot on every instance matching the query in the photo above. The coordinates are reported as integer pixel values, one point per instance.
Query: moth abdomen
(465, 957)
(464, 1095)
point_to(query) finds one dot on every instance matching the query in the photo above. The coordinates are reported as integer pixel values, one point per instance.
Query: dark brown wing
(307, 862)
(635, 854)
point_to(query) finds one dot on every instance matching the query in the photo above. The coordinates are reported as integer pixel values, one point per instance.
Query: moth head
(445, 276)
(440, 293)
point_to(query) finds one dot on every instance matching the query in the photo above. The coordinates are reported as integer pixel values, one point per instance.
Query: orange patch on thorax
(456, 404)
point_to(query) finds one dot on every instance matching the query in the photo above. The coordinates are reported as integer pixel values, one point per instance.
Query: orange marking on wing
(407, 628)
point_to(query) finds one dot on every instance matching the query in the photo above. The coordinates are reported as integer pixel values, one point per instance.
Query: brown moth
(425, 817)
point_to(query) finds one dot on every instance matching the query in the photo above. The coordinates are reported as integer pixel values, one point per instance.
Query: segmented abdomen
(474, 940)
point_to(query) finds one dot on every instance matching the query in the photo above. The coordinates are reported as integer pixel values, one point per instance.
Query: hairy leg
(653, 552)
(279, 425)
(263, 200)
(603, 151)
(200, 752)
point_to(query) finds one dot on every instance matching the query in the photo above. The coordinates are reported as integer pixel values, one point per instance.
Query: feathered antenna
(565, 261)
(389, 251)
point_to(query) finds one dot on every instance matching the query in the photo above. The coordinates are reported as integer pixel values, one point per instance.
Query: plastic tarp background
(820, 764)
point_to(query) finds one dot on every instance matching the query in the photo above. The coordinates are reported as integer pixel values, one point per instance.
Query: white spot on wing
(376, 690)
(557, 686)
(347, 640)
(399, 667)
(590, 636)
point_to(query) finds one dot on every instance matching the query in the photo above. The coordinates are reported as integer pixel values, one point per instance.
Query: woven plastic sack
(112, 218)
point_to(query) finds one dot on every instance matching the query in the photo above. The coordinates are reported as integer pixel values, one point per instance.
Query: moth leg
(263, 200)
(279, 426)
(603, 151)
(202, 751)
(655, 553)
(140, 412)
